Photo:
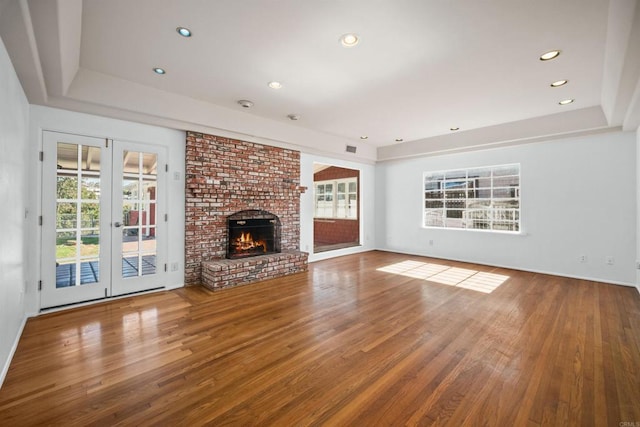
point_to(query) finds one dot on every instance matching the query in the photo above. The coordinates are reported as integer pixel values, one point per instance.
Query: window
(484, 198)
(336, 199)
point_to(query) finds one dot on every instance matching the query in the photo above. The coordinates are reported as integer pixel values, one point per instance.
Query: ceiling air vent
(351, 148)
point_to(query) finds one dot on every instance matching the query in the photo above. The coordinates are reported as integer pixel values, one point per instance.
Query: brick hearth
(224, 176)
(225, 273)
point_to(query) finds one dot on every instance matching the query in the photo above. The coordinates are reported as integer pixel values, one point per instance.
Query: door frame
(52, 297)
(123, 286)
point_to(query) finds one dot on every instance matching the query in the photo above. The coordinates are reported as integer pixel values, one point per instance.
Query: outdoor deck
(90, 270)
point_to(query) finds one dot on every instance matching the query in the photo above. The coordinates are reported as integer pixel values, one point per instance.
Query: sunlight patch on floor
(452, 276)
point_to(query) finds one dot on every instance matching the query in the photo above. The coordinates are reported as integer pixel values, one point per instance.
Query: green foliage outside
(66, 247)
(66, 217)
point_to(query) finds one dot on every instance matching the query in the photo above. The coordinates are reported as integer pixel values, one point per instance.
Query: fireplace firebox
(252, 233)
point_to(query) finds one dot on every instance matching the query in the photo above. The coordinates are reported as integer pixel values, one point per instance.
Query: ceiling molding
(3, 3)
(632, 119)
(44, 41)
(632, 116)
(16, 31)
(58, 38)
(621, 68)
(150, 105)
(503, 144)
(570, 123)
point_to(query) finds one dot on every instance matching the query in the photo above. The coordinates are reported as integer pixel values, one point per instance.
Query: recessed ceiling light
(566, 101)
(455, 128)
(293, 116)
(159, 70)
(349, 40)
(364, 137)
(184, 32)
(275, 85)
(399, 139)
(549, 55)
(559, 83)
(245, 103)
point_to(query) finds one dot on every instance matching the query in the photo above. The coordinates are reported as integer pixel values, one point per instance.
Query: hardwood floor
(359, 340)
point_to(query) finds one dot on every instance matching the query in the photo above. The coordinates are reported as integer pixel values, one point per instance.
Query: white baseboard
(14, 347)
(320, 256)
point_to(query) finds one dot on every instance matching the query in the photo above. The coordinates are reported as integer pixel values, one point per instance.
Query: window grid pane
(336, 199)
(139, 183)
(77, 248)
(483, 198)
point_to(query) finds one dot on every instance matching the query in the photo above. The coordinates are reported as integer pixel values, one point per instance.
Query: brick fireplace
(225, 177)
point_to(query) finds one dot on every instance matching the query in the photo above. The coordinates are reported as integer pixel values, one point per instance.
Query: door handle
(117, 224)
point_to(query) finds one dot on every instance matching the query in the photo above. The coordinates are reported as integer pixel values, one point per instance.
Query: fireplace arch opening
(251, 233)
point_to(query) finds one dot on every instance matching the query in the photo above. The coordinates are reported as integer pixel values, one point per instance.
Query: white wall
(44, 118)
(578, 198)
(367, 206)
(14, 188)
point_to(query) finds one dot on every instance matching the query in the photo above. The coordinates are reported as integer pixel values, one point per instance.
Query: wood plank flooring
(374, 339)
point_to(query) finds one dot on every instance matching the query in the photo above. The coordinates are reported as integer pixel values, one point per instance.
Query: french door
(139, 226)
(103, 221)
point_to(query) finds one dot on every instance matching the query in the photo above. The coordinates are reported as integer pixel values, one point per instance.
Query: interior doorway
(336, 214)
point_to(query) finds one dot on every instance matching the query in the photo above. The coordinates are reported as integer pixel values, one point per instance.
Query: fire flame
(246, 243)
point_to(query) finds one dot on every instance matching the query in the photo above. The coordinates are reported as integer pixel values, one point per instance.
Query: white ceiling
(421, 67)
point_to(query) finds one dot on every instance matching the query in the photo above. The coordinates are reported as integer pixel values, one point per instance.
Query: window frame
(334, 183)
(500, 211)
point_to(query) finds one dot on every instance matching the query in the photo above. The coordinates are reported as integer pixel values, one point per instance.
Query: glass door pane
(139, 184)
(77, 214)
